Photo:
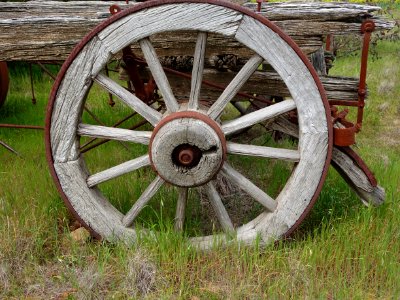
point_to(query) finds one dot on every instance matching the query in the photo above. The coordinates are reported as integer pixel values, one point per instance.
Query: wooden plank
(263, 83)
(159, 75)
(234, 86)
(197, 71)
(111, 133)
(263, 151)
(181, 208)
(258, 116)
(147, 112)
(142, 201)
(118, 170)
(219, 208)
(325, 11)
(246, 185)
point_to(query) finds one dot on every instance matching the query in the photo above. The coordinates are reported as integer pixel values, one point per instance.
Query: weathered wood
(197, 72)
(249, 187)
(48, 30)
(258, 116)
(111, 133)
(159, 75)
(263, 151)
(147, 112)
(234, 86)
(182, 132)
(118, 170)
(219, 208)
(142, 201)
(264, 83)
(345, 165)
(357, 179)
(181, 208)
(91, 206)
(325, 11)
(77, 82)
(318, 61)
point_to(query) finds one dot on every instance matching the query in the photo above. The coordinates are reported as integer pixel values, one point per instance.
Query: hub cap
(187, 149)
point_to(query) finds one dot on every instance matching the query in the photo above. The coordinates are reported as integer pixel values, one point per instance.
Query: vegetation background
(343, 250)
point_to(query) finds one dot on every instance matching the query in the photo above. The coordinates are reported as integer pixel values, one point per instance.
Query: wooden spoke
(234, 86)
(159, 74)
(142, 201)
(180, 208)
(197, 72)
(129, 99)
(112, 133)
(219, 207)
(258, 116)
(118, 170)
(249, 187)
(261, 151)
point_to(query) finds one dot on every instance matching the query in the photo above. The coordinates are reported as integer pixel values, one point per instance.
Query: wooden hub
(187, 149)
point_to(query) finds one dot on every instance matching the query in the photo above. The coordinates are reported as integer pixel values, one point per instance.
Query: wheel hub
(187, 149)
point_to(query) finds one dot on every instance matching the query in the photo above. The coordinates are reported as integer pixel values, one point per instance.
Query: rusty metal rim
(4, 82)
(193, 115)
(149, 4)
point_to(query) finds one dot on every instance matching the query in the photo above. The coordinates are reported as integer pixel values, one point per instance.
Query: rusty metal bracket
(345, 134)
(144, 91)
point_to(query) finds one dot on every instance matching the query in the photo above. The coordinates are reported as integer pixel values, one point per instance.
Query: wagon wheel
(4, 81)
(188, 146)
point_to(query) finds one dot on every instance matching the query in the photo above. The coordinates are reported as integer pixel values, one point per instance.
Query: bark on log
(48, 30)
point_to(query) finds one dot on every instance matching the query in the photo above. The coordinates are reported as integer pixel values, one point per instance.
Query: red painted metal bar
(32, 87)
(329, 40)
(44, 69)
(4, 82)
(21, 126)
(367, 28)
(344, 103)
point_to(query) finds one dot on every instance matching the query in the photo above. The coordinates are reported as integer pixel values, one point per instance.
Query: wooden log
(263, 83)
(48, 30)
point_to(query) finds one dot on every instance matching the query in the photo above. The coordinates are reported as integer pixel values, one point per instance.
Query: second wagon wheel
(188, 146)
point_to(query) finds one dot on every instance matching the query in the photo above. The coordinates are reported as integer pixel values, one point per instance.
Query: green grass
(343, 249)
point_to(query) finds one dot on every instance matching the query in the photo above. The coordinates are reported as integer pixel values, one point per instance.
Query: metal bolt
(186, 156)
